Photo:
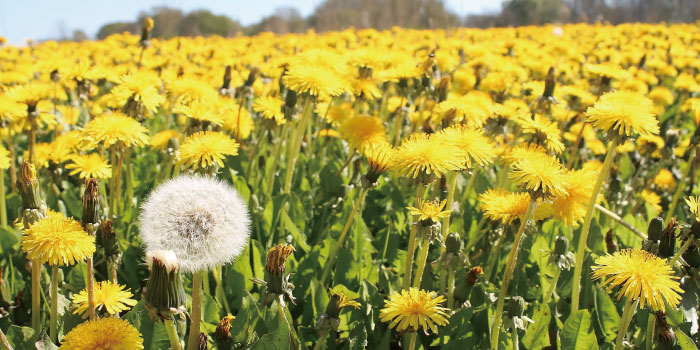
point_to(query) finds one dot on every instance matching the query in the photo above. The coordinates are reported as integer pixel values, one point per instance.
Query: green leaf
(684, 341)
(298, 236)
(23, 338)
(8, 239)
(358, 337)
(44, 343)
(277, 339)
(537, 335)
(606, 315)
(578, 333)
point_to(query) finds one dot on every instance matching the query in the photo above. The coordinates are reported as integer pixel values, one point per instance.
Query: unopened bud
(610, 243)
(28, 186)
(164, 295)
(91, 202)
(549, 84)
(666, 337)
(107, 239)
(655, 230)
(453, 243)
(667, 245)
(223, 329)
(516, 307)
(203, 341)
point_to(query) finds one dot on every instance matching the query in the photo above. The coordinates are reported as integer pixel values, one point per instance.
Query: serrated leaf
(578, 333)
(537, 335)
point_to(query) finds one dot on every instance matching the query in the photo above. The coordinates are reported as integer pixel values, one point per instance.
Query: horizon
(58, 18)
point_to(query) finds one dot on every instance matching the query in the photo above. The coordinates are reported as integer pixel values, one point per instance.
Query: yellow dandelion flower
(113, 128)
(201, 111)
(89, 166)
(429, 210)
(571, 207)
(504, 206)
(540, 173)
(160, 140)
(694, 206)
(640, 275)
(141, 88)
(379, 156)
(414, 309)
(426, 155)
(361, 131)
(206, 148)
(543, 131)
(474, 145)
(314, 80)
(42, 154)
(664, 180)
(57, 240)
(64, 146)
(343, 300)
(624, 112)
(330, 133)
(652, 199)
(30, 94)
(270, 108)
(103, 333)
(109, 297)
(277, 257)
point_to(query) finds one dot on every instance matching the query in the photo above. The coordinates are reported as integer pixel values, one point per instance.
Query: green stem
(510, 267)
(651, 324)
(172, 334)
(295, 144)
(90, 287)
(3, 205)
(684, 247)
(578, 268)
(219, 291)
(275, 155)
(450, 286)
(36, 296)
(448, 204)
(412, 244)
(549, 294)
(412, 341)
(681, 185)
(514, 337)
(53, 318)
(331, 258)
(620, 221)
(624, 323)
(196, 312)
(398, 123)
(422, 259)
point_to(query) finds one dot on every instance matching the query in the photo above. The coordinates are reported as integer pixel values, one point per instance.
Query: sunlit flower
(474, 145)
(543, 131)
(414, 309)
(693, 203)
(429, 210)
(426, 155)
(540, 173)
(571, 207)
(639, 275)
(160, 140)
(103, 333)
(270, 108)
(207, 148)
(115, 127)
(89, 166)
(361, 131)
(109, 297)
(504, 206)
(652, 199)
(664, 180)
(314, 80)
(379, 157)
(624, 112)
(58, 241)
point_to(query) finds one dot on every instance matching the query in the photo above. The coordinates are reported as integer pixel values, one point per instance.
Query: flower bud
(656, 227)
(516, 307)
(667, 245)
(107, 240)
(146, 29)
(610, 244)
(227, 80)
(223, 329)
(28, 186)
(667, 337)
(203, 341)
(453, 243)
(549, 84)
(561, 256)
(290, 101)
(91, 202)
(276, 281)
(164, 295)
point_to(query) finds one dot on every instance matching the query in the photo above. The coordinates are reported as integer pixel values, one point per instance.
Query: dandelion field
(530, 187)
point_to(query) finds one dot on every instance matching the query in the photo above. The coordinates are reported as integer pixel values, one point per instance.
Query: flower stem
(412, 341)
(578, 268)
(3, 340)
(219, 291)
(36, 296)
(448, 204)
(295, 144)
(510, 267)
(411, 244)
(53, 318)
(549, 294)
(3, 205)
(196, 312)
(620, 221)
(514, 337)
(624, 323)
(680, 251)
(331, 258)
(651, 324)
(422, 258)
(681, 185)
(450, 286)
(91, 287)
(172, 334)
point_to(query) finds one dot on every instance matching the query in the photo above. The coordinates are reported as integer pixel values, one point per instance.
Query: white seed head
(166, 257)
(201, 219)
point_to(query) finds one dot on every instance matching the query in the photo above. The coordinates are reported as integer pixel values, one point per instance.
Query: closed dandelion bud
(252, 75)
(331, 318)
(107, 239)
(667, 245)
(91, 205)
(453, 243)
(561, 256)
(227, 80)
(656, 228)
(549, 84)
(28, 186)
(516, 306)
(55, 76)
(443, 88)
(173, 148)
(223, 329)
(667, 337)
(290, 101)
(146, 29)
(610, 244)
(277, 282)
(203, 341)
(164, 295)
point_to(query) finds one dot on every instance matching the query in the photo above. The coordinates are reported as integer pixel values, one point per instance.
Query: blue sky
(39, 19)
